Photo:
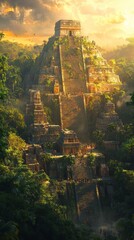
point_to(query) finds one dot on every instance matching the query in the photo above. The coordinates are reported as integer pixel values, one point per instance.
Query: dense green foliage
(125, 51)
(123, 60)
(3, 73)
(16, 62)
(121, 166)
(11, 120)
(29, 205)
(29, 208)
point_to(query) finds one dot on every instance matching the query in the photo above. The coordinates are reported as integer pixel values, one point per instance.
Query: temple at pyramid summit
(67, 28)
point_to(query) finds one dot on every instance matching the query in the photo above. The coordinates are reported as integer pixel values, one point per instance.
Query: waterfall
(101, 217)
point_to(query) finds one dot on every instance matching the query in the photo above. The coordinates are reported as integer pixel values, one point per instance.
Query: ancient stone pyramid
(68, 72)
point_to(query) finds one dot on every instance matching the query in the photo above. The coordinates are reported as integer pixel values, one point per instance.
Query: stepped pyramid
(39, 128)
(70, 69)
(109, 116)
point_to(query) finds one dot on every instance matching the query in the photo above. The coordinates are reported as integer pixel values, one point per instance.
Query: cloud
(38, 17)
(92, 9)
(30, 4)
(118, 19)
(28, 13)
(40, 9)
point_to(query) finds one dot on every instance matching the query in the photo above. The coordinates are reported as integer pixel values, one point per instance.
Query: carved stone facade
(67, 28)
(69, 143)
(66, 74)
(72, 69)
(34, 108)
(109, 116)
(101, 76)
(40, 130)
(32, 156)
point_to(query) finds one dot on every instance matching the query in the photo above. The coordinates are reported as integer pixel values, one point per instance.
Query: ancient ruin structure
(34, 108)
(108, 117)
(32, 157)
(100, 76)
(68, 143)
(69, 73)
(40, 130)
(67, 28)
(71, 69)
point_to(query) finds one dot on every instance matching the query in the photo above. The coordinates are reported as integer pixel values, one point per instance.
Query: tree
(3, 72)
(98, 137)
(1, 35)
(128, 149)
(125, 228)
(11, 120)
(29, 206)
(91, 159)
(14, 152)
(24, 63)
(126, 71)
(112, 62)
(14, 80)
(131, 102)
(9, 230)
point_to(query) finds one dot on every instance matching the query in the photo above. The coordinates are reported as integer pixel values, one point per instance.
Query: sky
(108, 22)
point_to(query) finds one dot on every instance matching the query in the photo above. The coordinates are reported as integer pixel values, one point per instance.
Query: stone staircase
(73, 68)
(74, 116)
(85, 190)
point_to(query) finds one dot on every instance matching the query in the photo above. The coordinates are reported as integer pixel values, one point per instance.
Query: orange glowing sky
(108, 22)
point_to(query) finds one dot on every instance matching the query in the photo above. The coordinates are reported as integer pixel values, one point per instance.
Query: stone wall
(67, 28)
(74, 115)
(73, 73)
(32, 157)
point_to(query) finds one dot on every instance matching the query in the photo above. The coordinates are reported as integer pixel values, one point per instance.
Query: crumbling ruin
(43, 133)
(68, 74)
(71, 69)
(40, 130)
(108, 117)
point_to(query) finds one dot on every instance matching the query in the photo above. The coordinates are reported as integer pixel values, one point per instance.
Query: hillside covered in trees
(30, 207)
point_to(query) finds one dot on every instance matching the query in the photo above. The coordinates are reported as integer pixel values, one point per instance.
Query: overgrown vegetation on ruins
(30, 206)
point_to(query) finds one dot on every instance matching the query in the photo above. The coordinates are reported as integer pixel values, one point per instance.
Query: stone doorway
(70, 33)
